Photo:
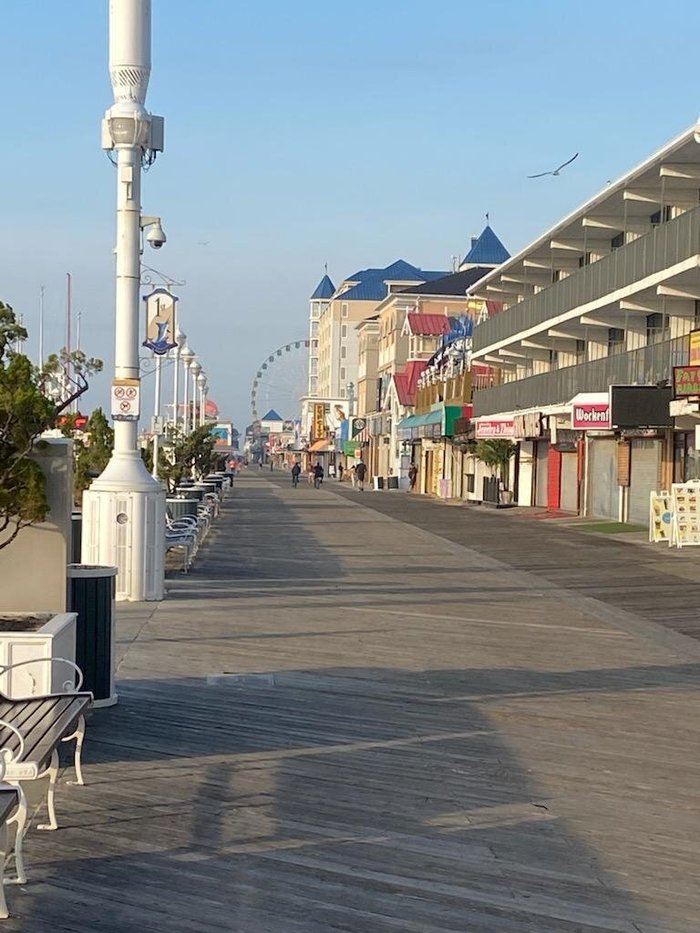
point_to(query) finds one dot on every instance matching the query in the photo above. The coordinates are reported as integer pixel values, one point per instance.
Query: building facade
(597, 312)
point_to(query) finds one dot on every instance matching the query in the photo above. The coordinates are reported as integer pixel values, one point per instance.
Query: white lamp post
(180, 340)
(186, 355)
(124, 509)
(195, 370)
(202, 383)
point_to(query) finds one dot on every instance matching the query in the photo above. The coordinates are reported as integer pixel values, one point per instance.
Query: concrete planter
(28, 637)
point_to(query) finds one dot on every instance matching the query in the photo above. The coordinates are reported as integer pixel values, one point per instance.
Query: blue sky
(300, 134)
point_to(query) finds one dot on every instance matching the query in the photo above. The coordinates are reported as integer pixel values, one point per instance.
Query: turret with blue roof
(486, 250)
(324, 289)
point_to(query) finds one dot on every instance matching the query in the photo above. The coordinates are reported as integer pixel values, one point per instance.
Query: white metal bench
(31, 731)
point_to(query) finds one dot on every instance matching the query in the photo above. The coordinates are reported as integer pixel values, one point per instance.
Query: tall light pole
(195, 370)
(180, 340)
(124, 509)
(186, 355)
(202, 383)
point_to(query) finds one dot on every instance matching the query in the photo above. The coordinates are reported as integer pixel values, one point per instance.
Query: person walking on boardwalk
(412, 477)
(361, 473)
(296, 471)
(340, 472)
(318, 475)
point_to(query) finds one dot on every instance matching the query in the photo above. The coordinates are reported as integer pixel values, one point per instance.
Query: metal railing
(664, 246)
(645, 366)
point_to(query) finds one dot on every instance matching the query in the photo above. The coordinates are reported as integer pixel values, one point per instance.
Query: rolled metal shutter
(569, 482)
(602, 478)
(646, 464)
(541, 484)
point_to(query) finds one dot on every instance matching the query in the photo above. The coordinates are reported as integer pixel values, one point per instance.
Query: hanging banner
(358, 426)
(160, 321)
(319, 421)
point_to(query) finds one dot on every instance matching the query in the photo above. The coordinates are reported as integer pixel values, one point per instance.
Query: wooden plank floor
(340, 721)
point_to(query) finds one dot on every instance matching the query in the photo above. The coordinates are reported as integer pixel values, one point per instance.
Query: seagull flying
(556, 170)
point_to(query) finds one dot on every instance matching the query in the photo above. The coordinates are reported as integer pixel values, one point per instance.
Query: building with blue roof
(486, 251)
(324, 289)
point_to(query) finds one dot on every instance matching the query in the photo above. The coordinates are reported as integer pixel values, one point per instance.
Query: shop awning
(319, 446)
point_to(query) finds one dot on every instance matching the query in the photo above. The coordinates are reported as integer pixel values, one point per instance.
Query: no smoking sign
(126, 394)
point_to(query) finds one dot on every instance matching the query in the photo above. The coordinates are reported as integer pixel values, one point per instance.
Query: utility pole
(124, 509)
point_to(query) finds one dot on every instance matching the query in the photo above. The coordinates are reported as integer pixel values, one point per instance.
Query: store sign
(591, 416)
(694, 347)
(686, 381)
(486, 429)
(126, 395)
(358, 426)
(528, 425)
(319, 431)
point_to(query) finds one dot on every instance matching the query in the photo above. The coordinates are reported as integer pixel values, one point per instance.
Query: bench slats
(43, 722)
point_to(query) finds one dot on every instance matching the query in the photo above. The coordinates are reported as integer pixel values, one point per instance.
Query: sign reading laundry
(591, 416)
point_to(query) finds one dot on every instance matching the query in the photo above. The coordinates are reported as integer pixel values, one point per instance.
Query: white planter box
(55, 638)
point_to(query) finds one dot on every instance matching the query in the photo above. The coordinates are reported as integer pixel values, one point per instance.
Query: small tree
(93, 448)
(496, 454)
(26, 412)
(186, 453)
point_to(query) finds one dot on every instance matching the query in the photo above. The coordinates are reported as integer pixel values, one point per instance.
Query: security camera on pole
(124, 509)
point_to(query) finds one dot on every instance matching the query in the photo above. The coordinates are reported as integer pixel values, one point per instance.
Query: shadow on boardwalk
(313, 792)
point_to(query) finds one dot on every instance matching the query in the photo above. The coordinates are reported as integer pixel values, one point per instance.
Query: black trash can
(392, 482)
(91, 594)
(76, 541)
(379, 482)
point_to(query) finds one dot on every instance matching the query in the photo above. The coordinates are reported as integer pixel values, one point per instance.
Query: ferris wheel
(281, 381)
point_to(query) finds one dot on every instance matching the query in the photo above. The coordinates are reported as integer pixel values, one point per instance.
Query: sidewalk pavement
(652, 581)
(342, 720)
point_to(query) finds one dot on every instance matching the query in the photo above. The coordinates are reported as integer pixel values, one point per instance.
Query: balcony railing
(664, 246)
(645, 366)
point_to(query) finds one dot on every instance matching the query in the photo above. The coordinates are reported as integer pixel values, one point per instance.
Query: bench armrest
(6, 757)
(68, 687)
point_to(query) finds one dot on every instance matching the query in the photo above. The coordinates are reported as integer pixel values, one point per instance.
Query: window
(342, 374)
(616, 340)
(342, 393)
(580, 351)
(344, 309)
(553, 359)
(657, 326)
(343, 352)
(617, 241)
(659, 218)
(343, 330)
(584, 260)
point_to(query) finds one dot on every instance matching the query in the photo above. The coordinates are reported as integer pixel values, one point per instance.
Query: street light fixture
(124, 509)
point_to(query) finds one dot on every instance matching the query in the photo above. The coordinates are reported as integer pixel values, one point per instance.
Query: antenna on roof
(455, 263)
(325, 266)
(487, 218)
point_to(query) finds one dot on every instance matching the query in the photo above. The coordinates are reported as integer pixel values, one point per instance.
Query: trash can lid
(91, 570)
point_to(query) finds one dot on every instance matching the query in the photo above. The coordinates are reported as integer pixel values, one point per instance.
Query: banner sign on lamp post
(160, 321)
